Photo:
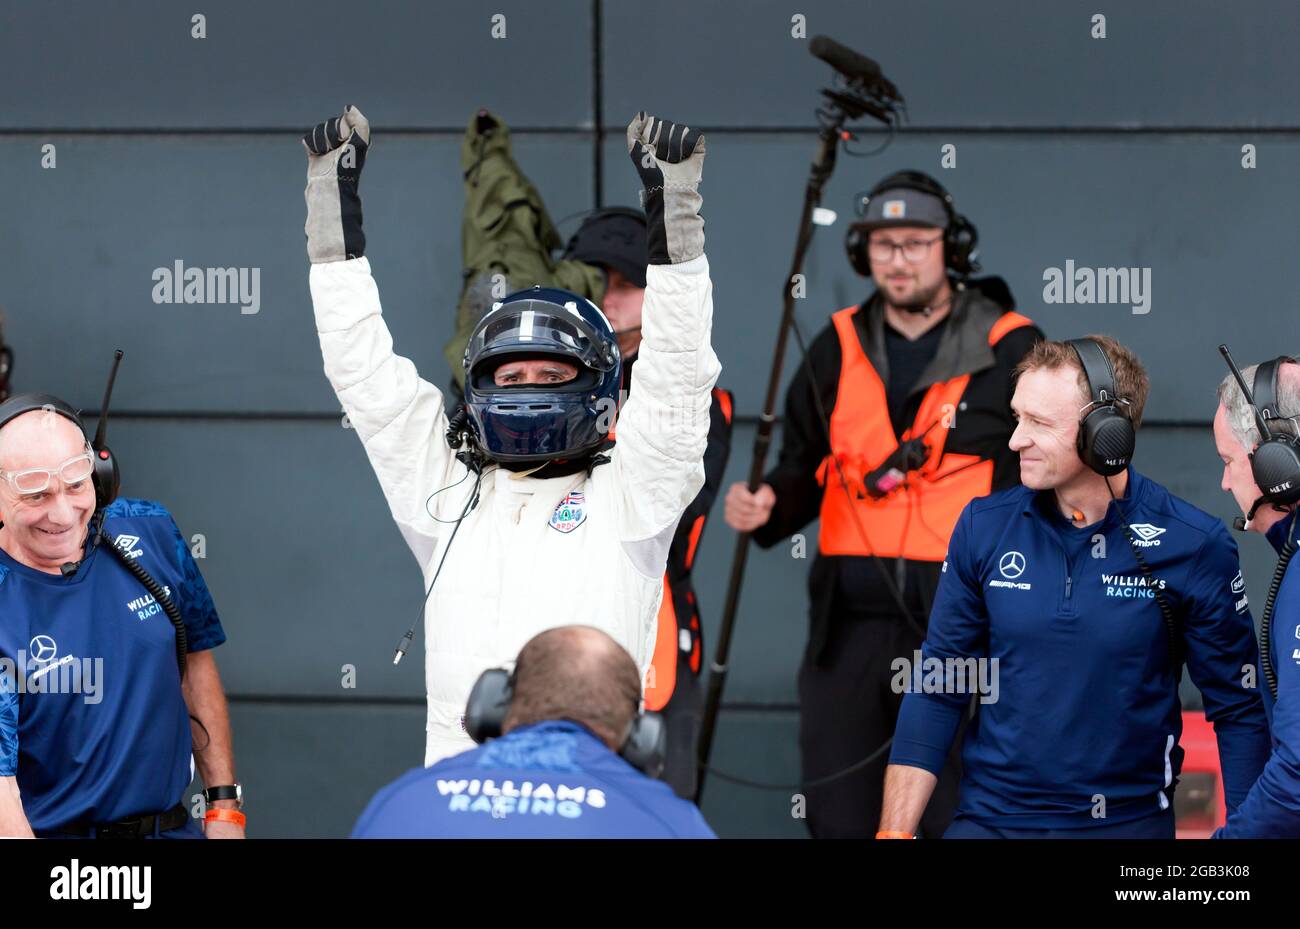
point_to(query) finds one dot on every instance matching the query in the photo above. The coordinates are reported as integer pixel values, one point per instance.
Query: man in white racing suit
(553, 524)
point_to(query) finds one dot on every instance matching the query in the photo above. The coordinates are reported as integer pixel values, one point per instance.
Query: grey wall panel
(1005, 63)
(1218, 259)
(269, 65)
(310, 769)
(307, 569)
(85, 238)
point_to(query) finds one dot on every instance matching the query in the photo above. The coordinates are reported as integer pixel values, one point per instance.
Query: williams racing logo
(570, 513)
(1132, 586)
(1011, 565)
(146, 606)
(1147, 535)
(523, 799)
(128, 543)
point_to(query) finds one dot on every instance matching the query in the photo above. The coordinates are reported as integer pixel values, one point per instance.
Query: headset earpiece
(855, 243)
(646, 744)
(1275, 462)
(1106, 438)
(961, 244)
(489, 701)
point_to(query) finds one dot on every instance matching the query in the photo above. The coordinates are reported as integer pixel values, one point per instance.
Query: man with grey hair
(1272, 807)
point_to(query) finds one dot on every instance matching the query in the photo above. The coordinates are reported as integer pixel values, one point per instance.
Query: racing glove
(670, 158)
(336, 153)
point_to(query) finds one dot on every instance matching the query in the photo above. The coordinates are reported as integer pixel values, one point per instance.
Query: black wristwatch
(228, 792)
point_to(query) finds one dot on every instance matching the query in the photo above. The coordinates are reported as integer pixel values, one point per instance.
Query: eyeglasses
(914, 250)
(37, 480)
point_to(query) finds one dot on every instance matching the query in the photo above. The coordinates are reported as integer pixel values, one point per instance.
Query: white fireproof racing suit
(534, 553)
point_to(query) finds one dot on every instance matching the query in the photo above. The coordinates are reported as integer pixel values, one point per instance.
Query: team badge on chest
(571, 512)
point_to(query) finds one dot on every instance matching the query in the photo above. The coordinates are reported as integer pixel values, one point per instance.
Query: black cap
(613, 238)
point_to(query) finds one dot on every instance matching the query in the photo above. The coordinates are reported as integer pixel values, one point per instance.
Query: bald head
(577, 673)
(46, 529)
(39, 439)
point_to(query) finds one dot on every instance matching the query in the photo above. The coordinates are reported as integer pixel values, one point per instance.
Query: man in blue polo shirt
(1083, 590)
(1272, 808)
(556, 771)
(94, 716)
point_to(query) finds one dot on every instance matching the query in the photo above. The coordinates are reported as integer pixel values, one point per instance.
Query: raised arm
(398, 415)
(663, 428)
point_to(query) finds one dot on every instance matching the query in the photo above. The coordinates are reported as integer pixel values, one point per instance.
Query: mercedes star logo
(1012, 565)
(42, 648)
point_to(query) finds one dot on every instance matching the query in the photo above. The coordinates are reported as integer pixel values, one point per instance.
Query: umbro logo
(128, 543)
(1147, 534)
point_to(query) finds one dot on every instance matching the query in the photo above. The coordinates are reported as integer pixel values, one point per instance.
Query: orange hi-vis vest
(916, 519)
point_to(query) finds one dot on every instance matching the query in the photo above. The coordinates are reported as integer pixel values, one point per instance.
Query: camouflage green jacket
(506, 236)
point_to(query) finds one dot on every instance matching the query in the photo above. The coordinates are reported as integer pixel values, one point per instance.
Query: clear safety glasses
(37, 480)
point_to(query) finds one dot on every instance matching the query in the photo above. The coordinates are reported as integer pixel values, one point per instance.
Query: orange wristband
(885, 834)
(225, 816)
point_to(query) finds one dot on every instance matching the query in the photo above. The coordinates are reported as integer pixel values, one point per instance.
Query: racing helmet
(536, 423)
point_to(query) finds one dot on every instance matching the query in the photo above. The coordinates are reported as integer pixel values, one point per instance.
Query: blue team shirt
(1086, 709)
(1272, 808)
(548, 780)
(92, 719)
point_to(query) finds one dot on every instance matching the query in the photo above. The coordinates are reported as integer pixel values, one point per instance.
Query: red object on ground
(1199, 806)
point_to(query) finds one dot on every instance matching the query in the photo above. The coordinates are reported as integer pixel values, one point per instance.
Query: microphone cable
(470, 503)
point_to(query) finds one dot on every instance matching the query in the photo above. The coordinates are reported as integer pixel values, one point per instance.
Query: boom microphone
(844, 59)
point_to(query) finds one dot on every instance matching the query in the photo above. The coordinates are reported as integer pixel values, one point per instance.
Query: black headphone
(105, 477)
(1106, 436)
(1275, 462)
(643, 745)
(960, 237)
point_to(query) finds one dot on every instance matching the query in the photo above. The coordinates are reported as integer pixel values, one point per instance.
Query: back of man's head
(1241, 415)
(577, 673)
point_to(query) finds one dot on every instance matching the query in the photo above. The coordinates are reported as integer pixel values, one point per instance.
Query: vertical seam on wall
(597, 104)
